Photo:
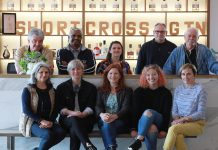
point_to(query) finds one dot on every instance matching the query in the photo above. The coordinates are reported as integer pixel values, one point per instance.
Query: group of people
(158, 51)
(79, 103)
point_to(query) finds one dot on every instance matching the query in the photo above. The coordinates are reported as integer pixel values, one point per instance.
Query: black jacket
(154, 53)
(85, 55)
(124, 98)
(86, 96)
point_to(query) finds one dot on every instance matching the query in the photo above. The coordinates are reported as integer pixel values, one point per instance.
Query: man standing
(75, 50)
(27, 56)
(155, 51)
(191, 52)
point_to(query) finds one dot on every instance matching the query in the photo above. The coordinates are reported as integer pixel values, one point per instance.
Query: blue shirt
(112, 104)
(190, 101)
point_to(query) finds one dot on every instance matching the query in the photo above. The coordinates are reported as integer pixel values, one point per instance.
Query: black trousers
(78, 128)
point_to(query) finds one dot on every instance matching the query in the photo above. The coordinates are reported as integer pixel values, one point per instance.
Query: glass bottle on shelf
(97, 50)
(134, 5)
(6, 53)
(151, 5)
(115, 5)
(138, 49)
(41, 5)
(10, 5)
(195, 5)
(30, 5)
(130, 52)
(104, 49)
(178, 5)
(92, 5)
(72, 5)
(164, 5)
(54, 5)
(103, 5)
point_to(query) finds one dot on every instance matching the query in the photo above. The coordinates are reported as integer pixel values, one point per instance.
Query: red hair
(106, 87)
(161, 77)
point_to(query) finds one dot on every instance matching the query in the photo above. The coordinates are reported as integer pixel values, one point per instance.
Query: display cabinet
(129, 21)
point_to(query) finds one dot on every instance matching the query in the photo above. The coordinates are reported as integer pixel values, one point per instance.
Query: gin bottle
(30, 5)
(164, 5)
(115, 5)
(103, 5)
(92, 5)
(151, 5)
(134, 5)
(195, 5)
(130, 52)
(178, 5)
(54, 5)
(10, 5)
(41, 5)
(72, 5)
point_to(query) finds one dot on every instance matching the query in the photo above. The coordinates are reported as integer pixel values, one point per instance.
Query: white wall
(213, 25)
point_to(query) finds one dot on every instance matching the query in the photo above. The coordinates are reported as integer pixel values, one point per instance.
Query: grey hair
(192, 28)
(76, 63)
(73, 29)
(35, 32)
(35, 70)
(160, 24)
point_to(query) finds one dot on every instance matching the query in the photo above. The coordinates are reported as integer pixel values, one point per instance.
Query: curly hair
(106, 87)
(161, 77)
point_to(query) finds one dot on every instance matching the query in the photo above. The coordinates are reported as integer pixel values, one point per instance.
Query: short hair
(161, 80)
(73, 29)
(35, 32)
(191, 28)
(160, 24)
(109, 53)
(106, 87)
(76, 63)
(188, 66)
(33, 79)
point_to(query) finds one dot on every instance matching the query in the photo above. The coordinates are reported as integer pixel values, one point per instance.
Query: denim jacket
(206, 62)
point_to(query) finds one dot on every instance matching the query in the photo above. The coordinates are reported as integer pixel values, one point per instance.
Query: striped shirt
(190, 101)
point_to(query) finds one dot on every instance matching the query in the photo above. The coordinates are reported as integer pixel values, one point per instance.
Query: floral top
(105, 63)
(23, 57)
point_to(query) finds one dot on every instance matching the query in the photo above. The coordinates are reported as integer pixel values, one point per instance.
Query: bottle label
(134, 6)
(30, 5)
(72, 5)
(116, 6)
(195, 6)
(92, 5)
(54, 5)
(103, 6)
(178, 6)
(164, 6)
(42, 6)
(151, 5)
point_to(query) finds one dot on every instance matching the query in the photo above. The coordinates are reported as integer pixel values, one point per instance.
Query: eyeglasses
(162, 32)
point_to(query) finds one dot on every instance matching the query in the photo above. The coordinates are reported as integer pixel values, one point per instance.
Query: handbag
(25, 123)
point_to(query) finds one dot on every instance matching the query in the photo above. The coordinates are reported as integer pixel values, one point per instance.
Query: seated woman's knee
(153, 128)
(147, 113)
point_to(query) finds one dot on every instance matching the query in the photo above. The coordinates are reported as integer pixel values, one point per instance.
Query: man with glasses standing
(155, 51)
(75, 50)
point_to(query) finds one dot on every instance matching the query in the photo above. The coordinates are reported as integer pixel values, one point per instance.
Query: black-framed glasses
(157, 31)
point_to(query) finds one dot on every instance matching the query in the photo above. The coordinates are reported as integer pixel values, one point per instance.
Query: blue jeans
(145, 123)
(49, 137)
(109, 132)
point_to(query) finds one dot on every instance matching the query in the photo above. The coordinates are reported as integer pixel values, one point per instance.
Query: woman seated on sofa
(77, 101)
(113, 105)
(189, 110)
(40, 109)
(152, 103)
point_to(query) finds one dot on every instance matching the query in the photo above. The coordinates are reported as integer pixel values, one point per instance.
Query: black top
(86, 95)
(159, 99)
(44, 105)
(154, 53)
(190, 57)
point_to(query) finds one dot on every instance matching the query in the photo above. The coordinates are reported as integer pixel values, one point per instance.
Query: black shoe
(89, 146)
(112, 147)
(136, 145)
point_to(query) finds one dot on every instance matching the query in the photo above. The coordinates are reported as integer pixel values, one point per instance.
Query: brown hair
(106, 87)
(188, 66)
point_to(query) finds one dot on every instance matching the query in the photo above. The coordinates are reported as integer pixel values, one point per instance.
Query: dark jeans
(79, 128)
(49, 137)
(109, 132)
